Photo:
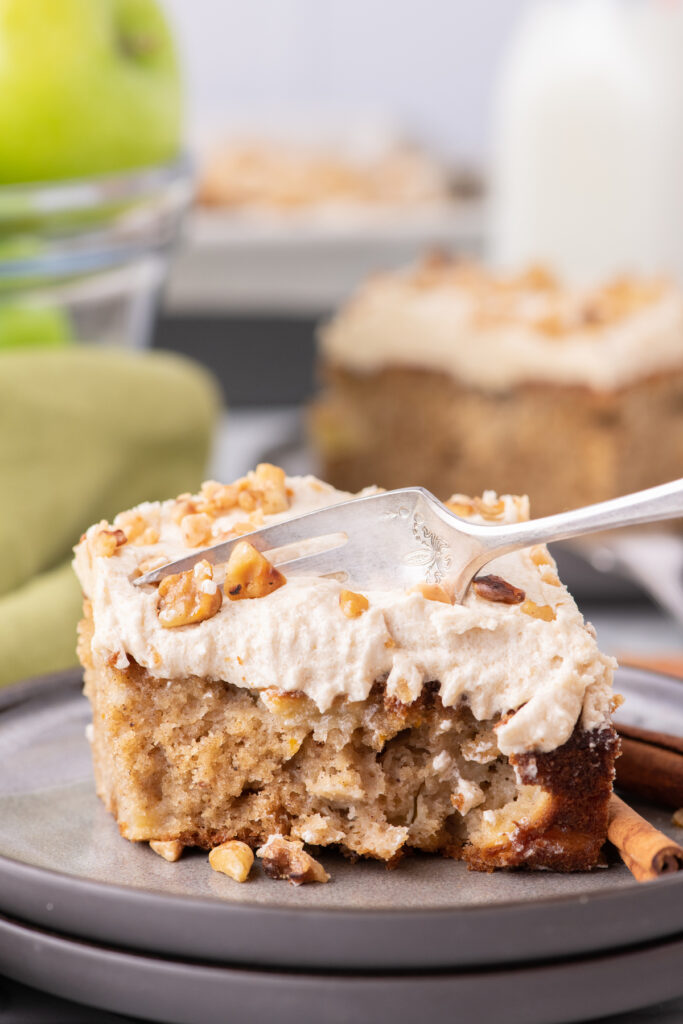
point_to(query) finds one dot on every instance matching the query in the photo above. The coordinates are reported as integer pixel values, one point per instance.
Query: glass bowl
(85, 260)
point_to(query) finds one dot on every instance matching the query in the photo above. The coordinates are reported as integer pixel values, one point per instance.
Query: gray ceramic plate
(63, 866)
(179, 992)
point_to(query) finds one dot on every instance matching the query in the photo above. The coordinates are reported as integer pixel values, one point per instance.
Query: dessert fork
(406, 537)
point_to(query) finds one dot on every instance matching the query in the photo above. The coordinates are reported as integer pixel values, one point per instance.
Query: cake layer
(200, 762)
(564, 446)
(534, 663)
(494, 332)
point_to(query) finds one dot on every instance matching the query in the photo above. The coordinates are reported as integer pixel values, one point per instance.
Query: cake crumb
(286, 858)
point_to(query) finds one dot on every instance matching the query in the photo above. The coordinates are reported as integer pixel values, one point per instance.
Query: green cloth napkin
(84, 434)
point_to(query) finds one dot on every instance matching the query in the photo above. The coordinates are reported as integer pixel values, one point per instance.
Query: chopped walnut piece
(551, 578)
(489, 509)
(233, 859)
(286, 858)
(153, 562)
(138, 528)
(188, 597)
(254, 522)
(677, 818)
(616, 700)
(196, 529)
(495, 588)
(353, 605)
(282, 702)
(249, 574)
(270, 485)
(539, 555)
(106, 542)
(215, 498)
(460, 505)
(184, 505)
(247, 500)
(432, 592)
(170, 850)
(538, 611)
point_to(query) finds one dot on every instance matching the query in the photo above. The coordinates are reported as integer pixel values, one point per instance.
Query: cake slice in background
(376, 722)
(448, 374)
(286, 175)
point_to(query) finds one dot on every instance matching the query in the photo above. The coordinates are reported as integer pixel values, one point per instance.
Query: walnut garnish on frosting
(353, 605)
(489, 506)
(495, 588)
(539, 555)
(462, 506)
(196, 529)
(538, 611)
(188, 597)
(432, 592)
(263, 489)
(249, 574)
(268, 485)
(107, 541)
(138, 528)
(286, 858)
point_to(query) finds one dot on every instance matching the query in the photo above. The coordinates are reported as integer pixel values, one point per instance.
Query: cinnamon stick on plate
(645, 851)
(651, 765)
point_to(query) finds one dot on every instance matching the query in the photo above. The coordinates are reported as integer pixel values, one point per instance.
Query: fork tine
(308, 526)
(315, 565)
(304, 527)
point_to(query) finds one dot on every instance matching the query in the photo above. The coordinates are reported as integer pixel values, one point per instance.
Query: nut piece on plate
(170, 850)
(233, 859)
(249, 573)
(107, 541)
(495, 588)
(353, 605)
(286, 858)
(188, 597)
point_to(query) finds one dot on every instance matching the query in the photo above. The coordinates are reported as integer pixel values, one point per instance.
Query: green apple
(24, 326)
(86, 87)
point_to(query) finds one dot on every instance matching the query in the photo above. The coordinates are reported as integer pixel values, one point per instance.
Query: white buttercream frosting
(493, 656)
(496, 333)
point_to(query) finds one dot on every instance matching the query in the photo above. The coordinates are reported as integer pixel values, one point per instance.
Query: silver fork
(405, 537)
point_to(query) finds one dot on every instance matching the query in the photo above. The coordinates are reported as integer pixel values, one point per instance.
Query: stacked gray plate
(90, 917)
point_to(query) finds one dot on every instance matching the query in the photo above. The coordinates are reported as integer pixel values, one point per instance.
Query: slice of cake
(450, 375)
(236, 704)
(288, 176)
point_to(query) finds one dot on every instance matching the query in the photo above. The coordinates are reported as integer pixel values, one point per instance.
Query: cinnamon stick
(645, 851)
(651, 765)
(650, 772)
(660, 739)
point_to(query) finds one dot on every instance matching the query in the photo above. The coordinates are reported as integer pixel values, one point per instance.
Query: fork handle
(650, 506)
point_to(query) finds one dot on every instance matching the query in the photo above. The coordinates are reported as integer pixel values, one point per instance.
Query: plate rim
(106, 964)
(34, 891)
